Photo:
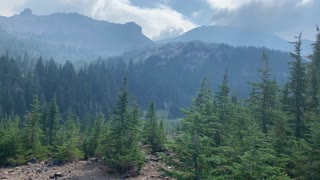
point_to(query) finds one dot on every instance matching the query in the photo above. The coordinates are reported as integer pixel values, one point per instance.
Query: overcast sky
(167, 18)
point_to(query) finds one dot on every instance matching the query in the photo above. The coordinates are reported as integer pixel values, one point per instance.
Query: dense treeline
(273, 134)
(90, 89)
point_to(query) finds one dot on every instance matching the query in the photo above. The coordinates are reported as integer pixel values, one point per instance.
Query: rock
(154, 159)
(4, 177)
(53, 162)
(58, 174)
(33, 161)
(29, 163)
(93, 159)
(38, 170)
(51, 177)
(153, 176)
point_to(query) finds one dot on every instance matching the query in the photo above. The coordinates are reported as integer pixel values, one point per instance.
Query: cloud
(285, 17)
(9, 8)
(155, 21)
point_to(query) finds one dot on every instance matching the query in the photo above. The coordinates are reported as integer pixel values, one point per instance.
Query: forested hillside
(255, 115)
(168, 74)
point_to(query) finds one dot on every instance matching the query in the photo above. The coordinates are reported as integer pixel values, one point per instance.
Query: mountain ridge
(76, 31)
(236, 36)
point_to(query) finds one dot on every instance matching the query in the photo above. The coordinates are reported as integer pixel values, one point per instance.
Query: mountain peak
(26, 12)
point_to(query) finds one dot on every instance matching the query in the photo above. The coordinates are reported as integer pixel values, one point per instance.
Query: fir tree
(223, 106)
(297, 88)
(152, 132)
(124, 152)
(52, 125)
(68, 148)
(265, 95)
(313, 77)
(32, 132)
(194, 144)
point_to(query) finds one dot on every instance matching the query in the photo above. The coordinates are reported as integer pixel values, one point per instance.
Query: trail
(80, 170)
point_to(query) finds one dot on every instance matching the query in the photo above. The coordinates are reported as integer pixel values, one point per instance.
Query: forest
(65, 113)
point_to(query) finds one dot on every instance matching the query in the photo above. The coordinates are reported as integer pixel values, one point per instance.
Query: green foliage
(69, 146)
(297, 88)
(313, 77)
(52, 126)
(32, 133)
(193, 145)
(264, 98)
(153, 132)
(124, 152)
(94, 139)
(10, 142)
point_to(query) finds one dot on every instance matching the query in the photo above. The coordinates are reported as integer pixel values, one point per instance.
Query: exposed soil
(80, 170)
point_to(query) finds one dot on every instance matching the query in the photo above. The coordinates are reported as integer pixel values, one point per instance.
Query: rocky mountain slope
(69, 35)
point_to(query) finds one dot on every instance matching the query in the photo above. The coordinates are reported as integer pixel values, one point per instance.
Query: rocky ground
(80, 170)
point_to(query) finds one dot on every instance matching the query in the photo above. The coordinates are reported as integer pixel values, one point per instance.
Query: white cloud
(227, 4)
(195, 14)
(236, 4)
(287, 17)
(154, 21)
(9, 7)
(304, 2)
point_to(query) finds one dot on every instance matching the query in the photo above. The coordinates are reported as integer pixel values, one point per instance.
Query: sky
(162, 19)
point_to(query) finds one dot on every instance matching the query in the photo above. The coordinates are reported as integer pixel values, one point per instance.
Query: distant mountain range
(71, 34)
(239, 37)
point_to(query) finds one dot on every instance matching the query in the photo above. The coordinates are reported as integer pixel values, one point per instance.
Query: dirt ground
(80, 170)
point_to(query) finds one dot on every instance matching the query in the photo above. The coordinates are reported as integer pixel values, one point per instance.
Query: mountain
(235, 36)
(70, 34)
(170, 73)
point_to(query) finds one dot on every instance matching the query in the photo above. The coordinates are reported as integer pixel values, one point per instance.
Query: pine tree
(52, 125)
(152, 132)
(223, 106)
(32, 132)
(265, 95)
(297, 88)
(68, 148)
(258, 159)
(10, 142)
(313, 77)
(124, 152)
(95, 136)
(193, 146)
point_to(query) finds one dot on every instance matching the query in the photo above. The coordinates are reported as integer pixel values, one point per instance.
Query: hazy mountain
(171, 73)
(79, 36)
(238, 37)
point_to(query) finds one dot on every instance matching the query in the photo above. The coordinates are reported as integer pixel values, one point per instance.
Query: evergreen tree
(223, 106)
(52, 125)
(151, 131)
(258, 160)
(10, 142)
(313, 77)
(32, 132)
(265, 95)
(68, 148)
(297, 88)
(124, 152)
(194, 145)
(95, 136)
